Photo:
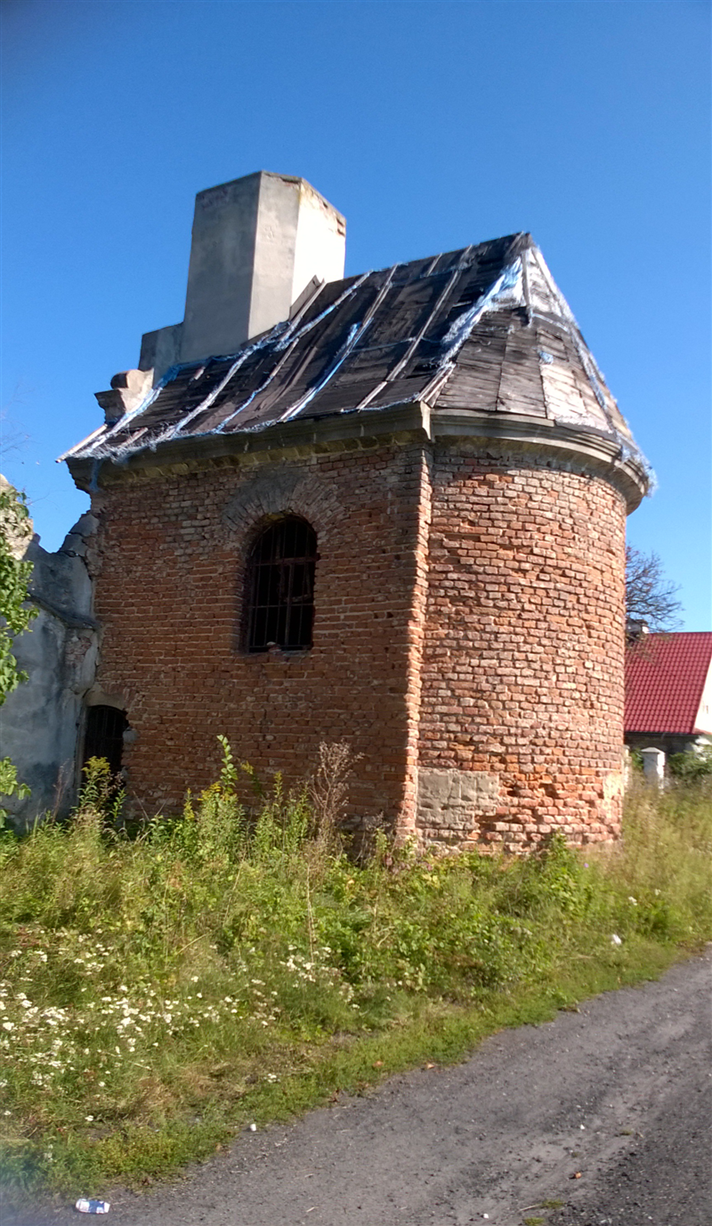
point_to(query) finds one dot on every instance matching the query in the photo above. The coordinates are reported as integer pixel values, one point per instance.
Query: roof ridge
(527, 242)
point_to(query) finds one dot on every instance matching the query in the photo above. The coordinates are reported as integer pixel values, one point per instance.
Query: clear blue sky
(429, 125)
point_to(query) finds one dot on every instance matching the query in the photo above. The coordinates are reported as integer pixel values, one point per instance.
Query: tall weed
(154, 980)
(661, 868)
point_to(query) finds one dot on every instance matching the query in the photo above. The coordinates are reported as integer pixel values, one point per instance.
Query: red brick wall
(469, 619)
(170, 566)
(523, 658)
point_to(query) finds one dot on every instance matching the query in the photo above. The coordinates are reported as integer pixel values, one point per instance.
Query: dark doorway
(105, 736)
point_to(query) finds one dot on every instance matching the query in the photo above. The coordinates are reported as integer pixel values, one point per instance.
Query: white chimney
(257, 243)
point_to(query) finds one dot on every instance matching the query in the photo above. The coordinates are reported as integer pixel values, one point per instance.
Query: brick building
(388, 510)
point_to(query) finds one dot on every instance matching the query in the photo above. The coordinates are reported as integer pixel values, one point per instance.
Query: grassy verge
(160, 992)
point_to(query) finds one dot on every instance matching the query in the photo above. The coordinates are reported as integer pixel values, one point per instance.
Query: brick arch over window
(279, 490)
(279, 593)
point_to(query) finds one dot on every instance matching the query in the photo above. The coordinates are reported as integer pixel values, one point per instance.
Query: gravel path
(606, 1111)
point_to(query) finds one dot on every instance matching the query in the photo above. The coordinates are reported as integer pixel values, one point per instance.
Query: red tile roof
(665, 675)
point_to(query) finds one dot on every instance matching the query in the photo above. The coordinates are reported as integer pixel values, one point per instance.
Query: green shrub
(693, 766)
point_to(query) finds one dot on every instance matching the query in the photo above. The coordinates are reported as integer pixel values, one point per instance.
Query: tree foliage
(649, 596)
(15, 613)
(15, 531)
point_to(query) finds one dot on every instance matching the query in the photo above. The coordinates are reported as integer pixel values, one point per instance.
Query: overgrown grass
(161, 991)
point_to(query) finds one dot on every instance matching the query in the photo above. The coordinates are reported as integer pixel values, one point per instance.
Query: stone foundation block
(451, 802)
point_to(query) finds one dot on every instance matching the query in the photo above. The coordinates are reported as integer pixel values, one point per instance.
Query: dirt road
(607, 1112)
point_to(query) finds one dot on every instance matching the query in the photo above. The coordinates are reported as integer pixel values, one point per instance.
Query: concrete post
(653, 766)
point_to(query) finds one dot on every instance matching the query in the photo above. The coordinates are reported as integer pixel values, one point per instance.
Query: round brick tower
(521, 704)
(521, 699)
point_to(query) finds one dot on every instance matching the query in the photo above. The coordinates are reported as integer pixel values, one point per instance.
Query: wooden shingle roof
(483, 329)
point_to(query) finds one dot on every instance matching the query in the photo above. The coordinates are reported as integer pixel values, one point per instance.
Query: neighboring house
(668, 699)
(387, 510)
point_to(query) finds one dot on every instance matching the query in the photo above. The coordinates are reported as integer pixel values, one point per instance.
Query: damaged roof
(483, 329)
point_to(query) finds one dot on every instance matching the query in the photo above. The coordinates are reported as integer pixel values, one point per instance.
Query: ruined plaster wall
(41, 719)
(521, 728)
(169, 586)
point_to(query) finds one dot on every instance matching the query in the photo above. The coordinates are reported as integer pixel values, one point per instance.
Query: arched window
(104, 736)
(280, 586)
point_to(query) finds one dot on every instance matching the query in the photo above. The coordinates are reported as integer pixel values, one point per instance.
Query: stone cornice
(597, 452)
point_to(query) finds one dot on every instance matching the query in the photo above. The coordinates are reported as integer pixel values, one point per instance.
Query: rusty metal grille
(105, 736)
(281, 587)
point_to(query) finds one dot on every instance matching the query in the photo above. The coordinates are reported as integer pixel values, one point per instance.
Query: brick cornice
(583, 450)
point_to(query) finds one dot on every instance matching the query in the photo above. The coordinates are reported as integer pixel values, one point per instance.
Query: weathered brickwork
(522, 675)
(468, 636)
(169, 594)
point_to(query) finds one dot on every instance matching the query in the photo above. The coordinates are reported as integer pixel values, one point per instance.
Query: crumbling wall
(41, 720)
